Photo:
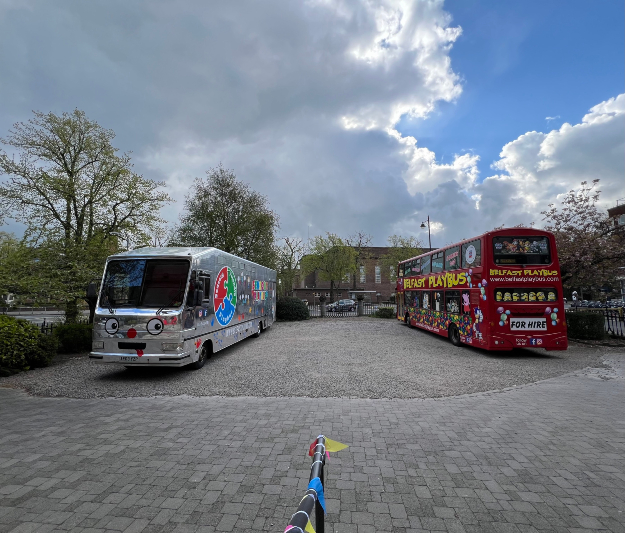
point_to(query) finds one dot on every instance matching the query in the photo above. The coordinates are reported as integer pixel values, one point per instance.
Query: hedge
(23, 346)
(586, 326)
(74, 338)
(385, 312)
(290, 308)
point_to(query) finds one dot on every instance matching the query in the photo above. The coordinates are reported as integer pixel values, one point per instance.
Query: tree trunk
(331, 290)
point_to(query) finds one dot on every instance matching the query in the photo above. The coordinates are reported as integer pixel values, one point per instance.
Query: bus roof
(192, 252)
(502, 231)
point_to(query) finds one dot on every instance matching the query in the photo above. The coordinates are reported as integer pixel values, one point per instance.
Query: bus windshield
(531, 250)
(144, 283)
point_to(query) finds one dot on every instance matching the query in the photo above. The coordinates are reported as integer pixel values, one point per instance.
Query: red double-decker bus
(498, 291)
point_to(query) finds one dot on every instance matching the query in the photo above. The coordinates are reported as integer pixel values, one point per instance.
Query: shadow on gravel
(146, 373)
(515, 353)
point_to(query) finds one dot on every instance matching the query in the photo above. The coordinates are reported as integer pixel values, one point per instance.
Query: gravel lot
(348, 357)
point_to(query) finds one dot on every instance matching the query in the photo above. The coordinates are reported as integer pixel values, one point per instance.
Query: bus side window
(426, 300)
(437, 300)
(452, 301)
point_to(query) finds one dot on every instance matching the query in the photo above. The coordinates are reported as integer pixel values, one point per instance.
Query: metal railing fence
(614, 318)
(368, 310)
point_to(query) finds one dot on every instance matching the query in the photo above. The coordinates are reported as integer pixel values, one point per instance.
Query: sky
(347, 115)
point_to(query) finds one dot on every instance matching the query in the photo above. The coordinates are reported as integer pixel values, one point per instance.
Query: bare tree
(360, 242)
(290, 253)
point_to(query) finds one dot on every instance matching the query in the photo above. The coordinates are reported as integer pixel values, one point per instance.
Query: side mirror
(91, 292)
(199, 296)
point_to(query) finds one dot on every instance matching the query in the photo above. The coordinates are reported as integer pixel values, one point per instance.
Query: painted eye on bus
(155, 326)
(111, 326)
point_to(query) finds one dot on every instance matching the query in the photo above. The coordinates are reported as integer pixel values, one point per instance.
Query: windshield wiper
(174, 299)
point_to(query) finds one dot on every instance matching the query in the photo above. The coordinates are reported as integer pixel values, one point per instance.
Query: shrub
(587, 326)
(289, 308)
(23, 346)
(74, 338)
(385, 312)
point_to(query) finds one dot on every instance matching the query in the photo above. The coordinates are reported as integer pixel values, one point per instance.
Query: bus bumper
(547, 342)
(166, 360)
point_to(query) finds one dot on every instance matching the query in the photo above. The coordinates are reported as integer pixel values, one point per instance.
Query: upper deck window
(426, 264)
(452, 258)
(530, 250)
(438, 262)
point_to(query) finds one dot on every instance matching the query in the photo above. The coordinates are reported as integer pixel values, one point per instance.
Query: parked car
(342, 305)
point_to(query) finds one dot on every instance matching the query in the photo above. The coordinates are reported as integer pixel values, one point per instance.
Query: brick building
(372, 277)
(617, 218)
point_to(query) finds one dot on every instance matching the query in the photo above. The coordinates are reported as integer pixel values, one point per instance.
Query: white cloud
(301, 100)
(533, 170)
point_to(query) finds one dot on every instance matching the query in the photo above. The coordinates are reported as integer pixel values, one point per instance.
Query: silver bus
(176, 306)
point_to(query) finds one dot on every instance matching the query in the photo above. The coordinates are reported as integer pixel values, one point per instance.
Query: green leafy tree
(332, 258)
(290, 252)
(590, 247)
(226, 213)
(400, 249)
(73, 190)
(16, 260)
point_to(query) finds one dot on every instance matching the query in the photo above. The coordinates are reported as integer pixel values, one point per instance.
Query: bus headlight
(172, 346)
(97, 345)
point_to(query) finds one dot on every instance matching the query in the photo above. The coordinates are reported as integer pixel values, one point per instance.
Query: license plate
(131, 359)
(528, 324)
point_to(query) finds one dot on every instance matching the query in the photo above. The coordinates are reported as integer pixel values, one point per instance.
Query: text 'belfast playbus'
(498, 291)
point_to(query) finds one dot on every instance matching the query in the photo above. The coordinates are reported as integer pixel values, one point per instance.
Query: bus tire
(454, 335)
(407, 320)
(204, 353)
(259, 330)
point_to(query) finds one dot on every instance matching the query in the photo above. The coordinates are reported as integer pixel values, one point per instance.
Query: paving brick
(487, 462)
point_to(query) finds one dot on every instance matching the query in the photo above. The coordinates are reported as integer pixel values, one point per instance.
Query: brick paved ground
(542, 457)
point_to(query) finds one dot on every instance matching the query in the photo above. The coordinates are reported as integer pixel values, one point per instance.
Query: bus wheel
(203, 357)
(454, 335)
(258, 331)
(407, 320)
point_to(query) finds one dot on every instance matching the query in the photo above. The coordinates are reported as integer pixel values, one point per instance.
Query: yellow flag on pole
(334, 446)
(309, 528)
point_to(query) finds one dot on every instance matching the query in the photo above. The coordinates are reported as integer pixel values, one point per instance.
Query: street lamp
(429, 235)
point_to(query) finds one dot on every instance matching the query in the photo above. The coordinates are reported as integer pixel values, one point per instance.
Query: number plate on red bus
(528, 324)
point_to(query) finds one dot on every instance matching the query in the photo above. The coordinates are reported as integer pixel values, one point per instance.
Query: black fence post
(319, 515)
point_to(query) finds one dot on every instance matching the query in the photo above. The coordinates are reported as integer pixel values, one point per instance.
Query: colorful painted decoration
(132, 333)
(315, 484)
(111, 326)
(155, 326)
(225, 296)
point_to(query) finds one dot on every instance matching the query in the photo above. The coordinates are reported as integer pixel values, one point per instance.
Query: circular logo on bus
(470, 254)
(225, 296)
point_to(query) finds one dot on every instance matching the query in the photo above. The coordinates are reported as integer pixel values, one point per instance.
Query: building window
(316, 294)
(363, 277)
(378, 274)
(340, 294)
(327, 294)
(346, 278)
